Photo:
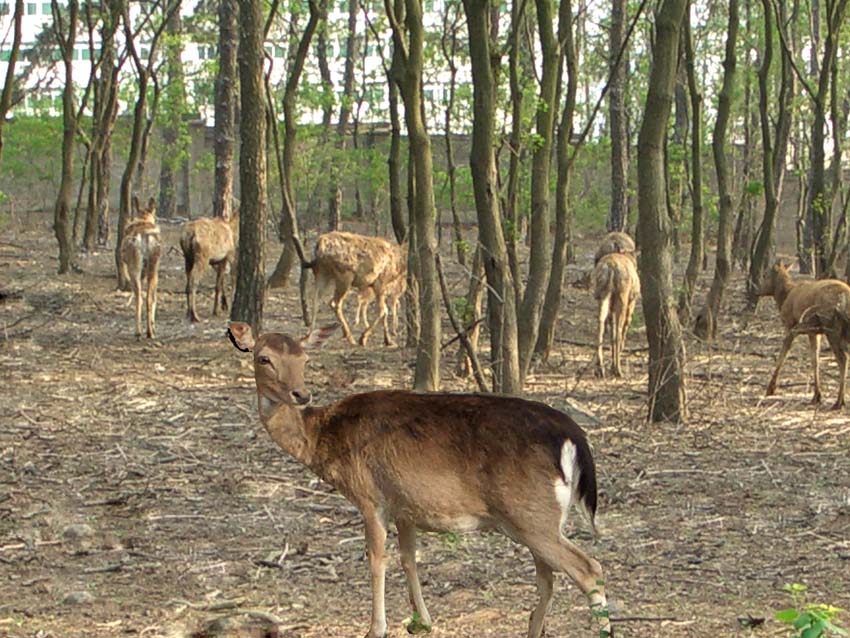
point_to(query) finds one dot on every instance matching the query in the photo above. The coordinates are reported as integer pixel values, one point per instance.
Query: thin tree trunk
(9, 84)
(226, 95)
(286, 230)
(250, 294)
(706, 321)
(666, 348)
(698, 214)
(501, 306)
(173, 129)
(617, 118)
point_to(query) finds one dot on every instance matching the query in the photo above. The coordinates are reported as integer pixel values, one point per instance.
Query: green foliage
(809, 620)
(415, 625)
(31, 160)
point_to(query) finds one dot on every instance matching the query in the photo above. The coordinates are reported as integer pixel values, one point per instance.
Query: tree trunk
(666, 348)
(617, 119)
(501, 308)
(706, 321)
(540, 250)
(286, 230)
(560, 254)
(226, 91)
(698, 214)
(9, 84)
(427, 373)
(394, 160)
(251, 273)
(61, 222)
(174, 137)
(448, 44)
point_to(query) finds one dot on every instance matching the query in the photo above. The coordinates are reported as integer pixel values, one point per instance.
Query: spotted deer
(815, 308)
(393, 292)
(140, 252)
(207, 242)
(616, 288)
(349, 261)
(436, 462)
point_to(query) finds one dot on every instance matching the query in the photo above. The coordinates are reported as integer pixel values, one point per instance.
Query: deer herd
(436, 461)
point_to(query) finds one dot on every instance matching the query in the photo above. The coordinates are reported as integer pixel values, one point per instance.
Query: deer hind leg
(193, 275)
(617, 322)
(136, 281)
(407, 549)
(546, 589)
(219, 301)
(152, 277)
(376, 538)
(814, 351)
(382, 317)
(548, 546)
(604, 309)
(786, 346)
(839, 350)
(340, 293)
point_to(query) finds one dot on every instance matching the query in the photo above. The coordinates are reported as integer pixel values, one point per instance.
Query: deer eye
(264, 360)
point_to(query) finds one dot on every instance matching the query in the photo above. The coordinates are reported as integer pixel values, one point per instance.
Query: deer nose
(301, 397)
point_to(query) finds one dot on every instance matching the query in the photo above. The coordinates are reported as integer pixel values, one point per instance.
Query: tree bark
(250, 294)
(66, 35)
(410, 42)
(698, 214)
(617, 120)
(286, 230)
(9, 84)
(226, 95)
(666, 348)
(174, 138)
(501, 308)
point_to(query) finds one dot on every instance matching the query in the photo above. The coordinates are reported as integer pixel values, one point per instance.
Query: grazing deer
(436, 462)
(616, 287)
(814, 307)
(208, 242)
(346, 261)
(614, 242)
(140, 253)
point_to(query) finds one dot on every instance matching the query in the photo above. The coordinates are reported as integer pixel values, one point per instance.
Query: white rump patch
(564, 486)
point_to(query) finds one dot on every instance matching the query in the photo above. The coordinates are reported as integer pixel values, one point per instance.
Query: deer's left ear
(241, 336)
(152, 204)
(317, 338)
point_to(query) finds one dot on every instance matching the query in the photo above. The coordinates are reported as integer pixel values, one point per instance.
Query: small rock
(78, 598)
(77, 532)
(29, 468)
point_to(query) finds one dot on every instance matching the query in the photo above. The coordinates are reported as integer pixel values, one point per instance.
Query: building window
(5, 55)
(46, 9)
(279, 52)
(145, 53)
(85, 54)
(4, 8)
(32, 8)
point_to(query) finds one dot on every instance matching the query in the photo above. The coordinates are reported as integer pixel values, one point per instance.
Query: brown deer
(436, 462)
(140, 252)
(813, 307)
(347, 260)
(393, 292)
(616, 287)
(614, 242)
(208, 242)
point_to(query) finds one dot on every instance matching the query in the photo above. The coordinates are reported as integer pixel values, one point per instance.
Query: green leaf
(816, 631)
(786, 615)
(804, 620)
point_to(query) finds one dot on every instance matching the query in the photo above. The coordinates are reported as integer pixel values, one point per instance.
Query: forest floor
(139, 495)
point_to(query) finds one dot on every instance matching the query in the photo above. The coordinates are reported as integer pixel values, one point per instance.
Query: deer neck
(296, 430)
(783, 287)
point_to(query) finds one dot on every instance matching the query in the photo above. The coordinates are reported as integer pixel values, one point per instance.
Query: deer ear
(152, 204)
(316, 339)
(241, 336)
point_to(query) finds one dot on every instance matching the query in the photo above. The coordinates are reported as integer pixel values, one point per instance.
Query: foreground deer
(616, 287)
(208, 242)
(347, 260)
(614, 242)
(140, 253)
(437, 462)
(814, 308)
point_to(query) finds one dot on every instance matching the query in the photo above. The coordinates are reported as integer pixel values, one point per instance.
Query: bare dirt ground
(140, 496)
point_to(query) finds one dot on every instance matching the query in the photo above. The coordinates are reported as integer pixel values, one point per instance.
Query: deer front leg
(336, 304)
(407, 549)
(376, 537)
(786, 346)
(219, 300)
